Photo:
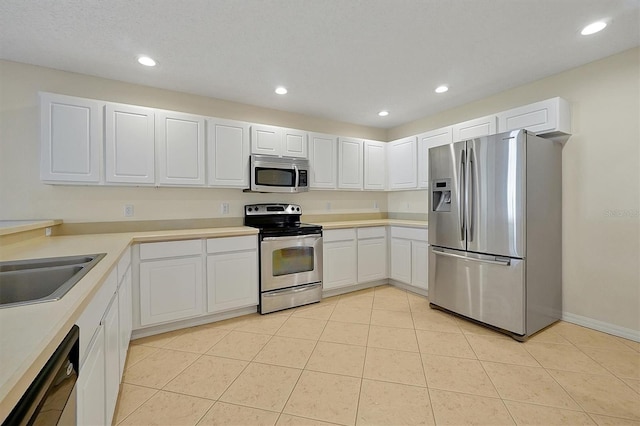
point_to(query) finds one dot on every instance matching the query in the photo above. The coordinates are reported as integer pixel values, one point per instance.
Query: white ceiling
(340, 59)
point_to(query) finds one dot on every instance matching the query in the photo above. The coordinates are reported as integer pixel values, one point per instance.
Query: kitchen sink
(30, 281)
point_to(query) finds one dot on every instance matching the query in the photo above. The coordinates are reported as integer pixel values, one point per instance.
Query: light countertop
(29, 334)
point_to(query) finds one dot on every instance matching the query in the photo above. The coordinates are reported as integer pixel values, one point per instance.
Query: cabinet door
(232, 280)
(228, 153)
(294, 143)
(111, 358)
(420, 264)
(475, 128)
(403, 163)
(125, 321)
(129, 144)
(428, 140)
(170, 289)
(350, 163)
(372, 259)
(266, 139)
(180, 148)
(323, 160)
(91, 384)
(340, 264)
(551, 115)
(70, 138)
(375, 170)
(401, 260)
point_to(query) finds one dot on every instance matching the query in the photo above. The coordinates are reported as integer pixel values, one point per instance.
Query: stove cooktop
(289, 230)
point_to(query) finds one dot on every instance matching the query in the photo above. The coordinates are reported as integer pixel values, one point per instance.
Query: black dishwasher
(51, 398)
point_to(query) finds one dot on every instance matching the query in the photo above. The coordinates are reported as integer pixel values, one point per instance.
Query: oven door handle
(290, 290)
(293, 237)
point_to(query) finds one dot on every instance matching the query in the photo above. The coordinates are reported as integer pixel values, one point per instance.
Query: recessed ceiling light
(146, 61)
(593, 28)
(383, 113)
(281, 90)
(442, 89)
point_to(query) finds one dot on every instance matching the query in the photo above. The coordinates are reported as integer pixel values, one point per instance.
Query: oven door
(290, 261)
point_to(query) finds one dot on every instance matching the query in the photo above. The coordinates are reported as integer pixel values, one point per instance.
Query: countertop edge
(29, 226)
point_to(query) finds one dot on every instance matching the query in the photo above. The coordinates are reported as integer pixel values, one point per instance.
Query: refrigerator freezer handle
(470, 198)
(461, 191)
(495, 261)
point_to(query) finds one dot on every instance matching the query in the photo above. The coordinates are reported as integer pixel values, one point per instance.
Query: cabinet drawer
(372, 232)
(417, 234)
(123, 263)
(339, 235)
(170, 249)
(218, 245)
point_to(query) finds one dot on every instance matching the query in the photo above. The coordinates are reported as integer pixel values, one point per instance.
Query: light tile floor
(377, 357)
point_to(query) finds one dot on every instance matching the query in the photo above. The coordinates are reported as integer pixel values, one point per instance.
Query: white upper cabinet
(129, 144)
(272, 140)
(71, 138)
(227, 153)
(428, 140)
(548, 116)
(266, 139)
(180, 148)
(403, 163)
(294, 143)
(375, 170)
(475, 128)
(350, 163)
(323, 159)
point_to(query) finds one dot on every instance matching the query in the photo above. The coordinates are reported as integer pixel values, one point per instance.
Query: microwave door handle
(297, 182)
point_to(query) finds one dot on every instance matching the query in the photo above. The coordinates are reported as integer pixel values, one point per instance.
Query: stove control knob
(298, 208)
(249, 209)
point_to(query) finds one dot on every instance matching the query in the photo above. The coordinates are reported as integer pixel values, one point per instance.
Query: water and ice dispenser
(441, 195)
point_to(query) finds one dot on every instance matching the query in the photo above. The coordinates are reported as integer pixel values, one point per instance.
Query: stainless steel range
(290, 256)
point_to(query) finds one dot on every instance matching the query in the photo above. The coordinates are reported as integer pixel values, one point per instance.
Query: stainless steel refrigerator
(495, 230)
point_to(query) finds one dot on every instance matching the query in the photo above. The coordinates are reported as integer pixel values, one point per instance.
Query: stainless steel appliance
(290, 256)
(51, 398)
(279, 174)
(495, 229)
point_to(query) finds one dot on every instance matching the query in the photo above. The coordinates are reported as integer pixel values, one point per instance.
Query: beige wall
(23, 196)
(601, 181)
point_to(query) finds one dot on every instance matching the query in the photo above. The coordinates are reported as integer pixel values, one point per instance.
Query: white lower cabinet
(372, 254)
(409, 256)
(170, 289)
(401, 260)
(232, 273)
(91, 409)
(340, 258)
(111, 359)
(105, 330)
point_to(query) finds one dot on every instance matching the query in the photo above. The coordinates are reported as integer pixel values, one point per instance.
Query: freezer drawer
(486, 288)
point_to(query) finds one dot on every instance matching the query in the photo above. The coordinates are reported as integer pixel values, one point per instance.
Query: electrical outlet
(47, 231)
(128, 210)
(328, 206)
(224, 208)
(375, 204)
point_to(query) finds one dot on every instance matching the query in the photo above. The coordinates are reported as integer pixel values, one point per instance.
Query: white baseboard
(605, 327)
(191, 322)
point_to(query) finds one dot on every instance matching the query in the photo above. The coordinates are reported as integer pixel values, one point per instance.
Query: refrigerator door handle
(461, 193)
(494, 261)
(471, 195)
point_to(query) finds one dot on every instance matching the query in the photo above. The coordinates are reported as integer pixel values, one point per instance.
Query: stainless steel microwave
(279, 174)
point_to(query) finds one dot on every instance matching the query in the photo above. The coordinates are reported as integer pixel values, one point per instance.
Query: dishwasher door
(51, 397)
